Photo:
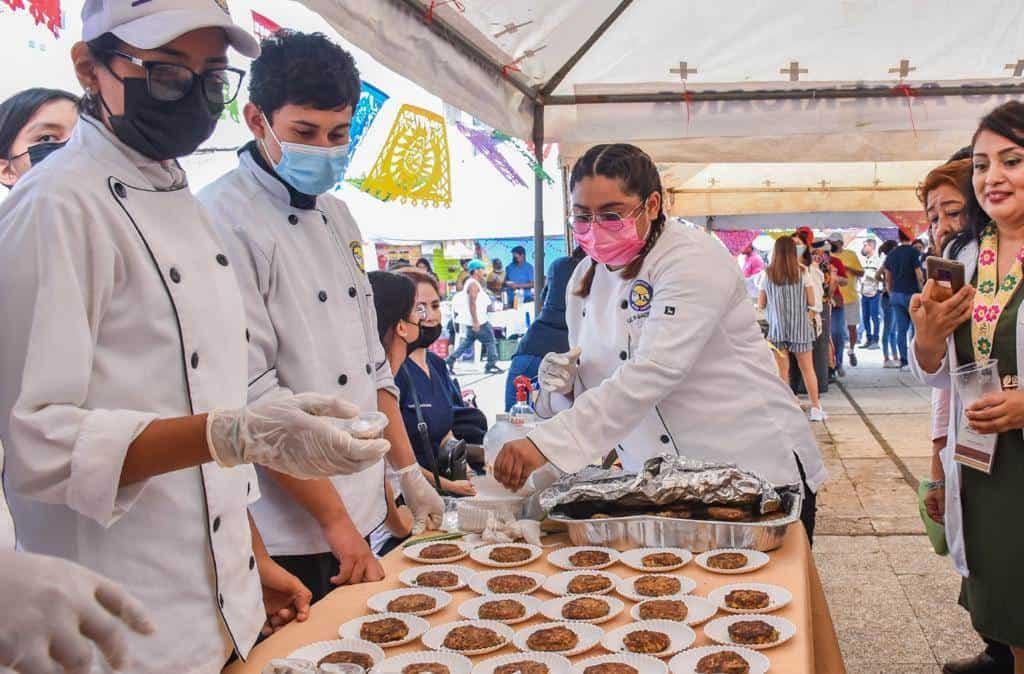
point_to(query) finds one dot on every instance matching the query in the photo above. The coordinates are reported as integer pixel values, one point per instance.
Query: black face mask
(163, 130)
(428, 335)
(40, 151)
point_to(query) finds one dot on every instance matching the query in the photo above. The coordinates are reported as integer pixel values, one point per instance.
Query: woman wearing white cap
(123, 372)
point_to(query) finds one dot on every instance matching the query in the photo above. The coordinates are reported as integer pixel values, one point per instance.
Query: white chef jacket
(312, 327)
(119, 308)
(673, 361)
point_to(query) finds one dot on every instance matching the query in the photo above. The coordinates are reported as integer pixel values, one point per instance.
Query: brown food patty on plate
(509, 554)
(611, 668)
(383, 631)
(722, 662)
(412, 603)
(589, 584)
(440, 579)
(661, 559)
(426, 668)
(511, 584)
(646, 641)
(440, 551)
(730, 561)
(747, 599)
(523, 667)
(501, 609)
(664, 609)
(589, 558)
(753, 632)
(657, 586)
(585, 608)
(471, 638)
(553, 639)
(348, 657)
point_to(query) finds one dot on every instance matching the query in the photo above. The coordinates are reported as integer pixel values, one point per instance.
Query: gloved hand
(557, 371)
(421, 497)
(294, 435)
(56, 610)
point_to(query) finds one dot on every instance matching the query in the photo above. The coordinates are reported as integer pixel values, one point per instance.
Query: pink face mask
(610, 246)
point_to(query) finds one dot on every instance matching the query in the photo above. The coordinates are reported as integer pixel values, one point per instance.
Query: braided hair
(638, 175)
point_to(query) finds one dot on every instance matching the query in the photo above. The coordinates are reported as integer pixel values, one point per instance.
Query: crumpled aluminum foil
(664, 480)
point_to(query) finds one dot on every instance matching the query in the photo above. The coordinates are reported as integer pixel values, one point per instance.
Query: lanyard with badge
(974, 449)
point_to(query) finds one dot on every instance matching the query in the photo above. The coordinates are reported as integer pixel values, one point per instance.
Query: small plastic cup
(367, 426)
(973, 381)
(289, 666)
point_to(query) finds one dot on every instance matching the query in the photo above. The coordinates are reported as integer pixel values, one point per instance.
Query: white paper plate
(777, 597)
(559, 583)
(755, 560)
(413, 552)
(378, 603)
(434, 639)
(686, 662)
(560, 557)
(468, 609)
(478, 581)
(718, 630)
(680, 636)
(626, 589)
(482, 553)
(409, 576)
(313, 652)
(634, 559)
(589, 636)
(457, 664)
(417, 626)
(644, 664)
(557, 664)
(698, 609)
(552, 609)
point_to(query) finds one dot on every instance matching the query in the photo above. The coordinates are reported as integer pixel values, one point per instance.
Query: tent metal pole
(538, 206)
(562, 72)
(570, 243)
(925, 91)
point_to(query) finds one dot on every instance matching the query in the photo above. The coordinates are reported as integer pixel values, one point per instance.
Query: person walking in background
(547, 334)
(835, 278)
(518, 276)
(787, 294)
(473, 320)
(851, 300)
(904, 278)
(753, 271)
(890, 356)
(869, 296)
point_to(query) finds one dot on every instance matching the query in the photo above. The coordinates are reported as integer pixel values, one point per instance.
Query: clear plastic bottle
(522, 413)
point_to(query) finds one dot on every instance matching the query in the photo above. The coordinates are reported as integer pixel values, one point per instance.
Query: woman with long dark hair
(787, 294)
(665, 345)
(983, 460)
(33, 123)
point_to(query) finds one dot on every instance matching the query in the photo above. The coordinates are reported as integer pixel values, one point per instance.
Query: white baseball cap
(148, 24)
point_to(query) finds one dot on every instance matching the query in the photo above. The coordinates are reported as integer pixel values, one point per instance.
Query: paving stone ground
(893, 601)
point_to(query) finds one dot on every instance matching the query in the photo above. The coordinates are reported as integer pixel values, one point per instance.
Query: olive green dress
(993, 509)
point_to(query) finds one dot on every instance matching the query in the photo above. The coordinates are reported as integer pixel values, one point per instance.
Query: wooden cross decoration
(683, 70)
(1017, 68)
(712, 181)
(768, 183)
(824, 184)
(794, 71)
(510, 28)
(903, 69)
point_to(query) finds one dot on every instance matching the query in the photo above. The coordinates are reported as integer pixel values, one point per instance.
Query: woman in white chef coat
(666, 353)
(123, 370)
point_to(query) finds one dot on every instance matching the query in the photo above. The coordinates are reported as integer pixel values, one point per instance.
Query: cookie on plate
(722, 662)
(471, 638)
(728, 561)
(646, 641)
(664, 609)
(511, 584)
(383, 631)
(509, 554)
(440, 551)
(657, 586)
(747, 600)
(585, 608)
(553, 639)
(661, 559)
(585, 559)
(412, 603)
(439, 579)
(589, 584)
(501, 609)
(756, 632)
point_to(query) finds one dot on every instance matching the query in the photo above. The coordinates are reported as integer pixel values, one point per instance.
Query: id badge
(973, 449)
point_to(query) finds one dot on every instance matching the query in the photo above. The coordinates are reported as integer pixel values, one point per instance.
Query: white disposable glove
(557, 371)
(294, 435)
(55, 610)
(421, 497)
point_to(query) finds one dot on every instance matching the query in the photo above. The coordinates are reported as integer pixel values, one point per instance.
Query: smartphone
(947, 274)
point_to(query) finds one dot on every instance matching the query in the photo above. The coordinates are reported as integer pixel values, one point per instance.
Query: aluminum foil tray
(651, 531)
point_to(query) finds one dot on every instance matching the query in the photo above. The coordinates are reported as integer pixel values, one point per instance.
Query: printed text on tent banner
(414, 164)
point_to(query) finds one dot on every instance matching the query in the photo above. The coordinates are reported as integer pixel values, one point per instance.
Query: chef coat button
(216, 524)
(622, 355)
(247, 335)
(220, 598)
(665, 439)
(175, 275)
(120, 190)
(322, 295)
(584, 312)
(369, 369)
(294, 219)
(352, 291)
(195, 360)
(342, 380)
(324, 218)
(248, 488)
(252, 562)
(624, 304)
(222, 259)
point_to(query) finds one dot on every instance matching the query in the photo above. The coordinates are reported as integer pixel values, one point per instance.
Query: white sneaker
(817, 414)
(892, 364)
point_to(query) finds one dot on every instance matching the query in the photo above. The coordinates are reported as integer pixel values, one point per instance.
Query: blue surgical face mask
(800, 250)
(310, 169)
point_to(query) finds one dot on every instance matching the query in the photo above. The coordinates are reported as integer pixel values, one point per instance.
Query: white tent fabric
(728, 45)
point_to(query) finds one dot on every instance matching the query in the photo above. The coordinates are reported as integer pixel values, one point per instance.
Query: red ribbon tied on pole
(910, 94)
(434, 4)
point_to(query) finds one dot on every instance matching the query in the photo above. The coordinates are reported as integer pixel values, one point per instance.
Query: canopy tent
(728, 81)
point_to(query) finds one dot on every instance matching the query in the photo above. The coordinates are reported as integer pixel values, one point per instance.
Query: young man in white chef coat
(122, 375)
(298, 255)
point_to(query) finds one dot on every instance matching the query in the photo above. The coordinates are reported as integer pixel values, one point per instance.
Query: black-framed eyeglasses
(612, 221)
(170, 82)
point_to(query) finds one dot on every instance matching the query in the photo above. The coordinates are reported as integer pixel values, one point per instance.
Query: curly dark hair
(303, 69)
